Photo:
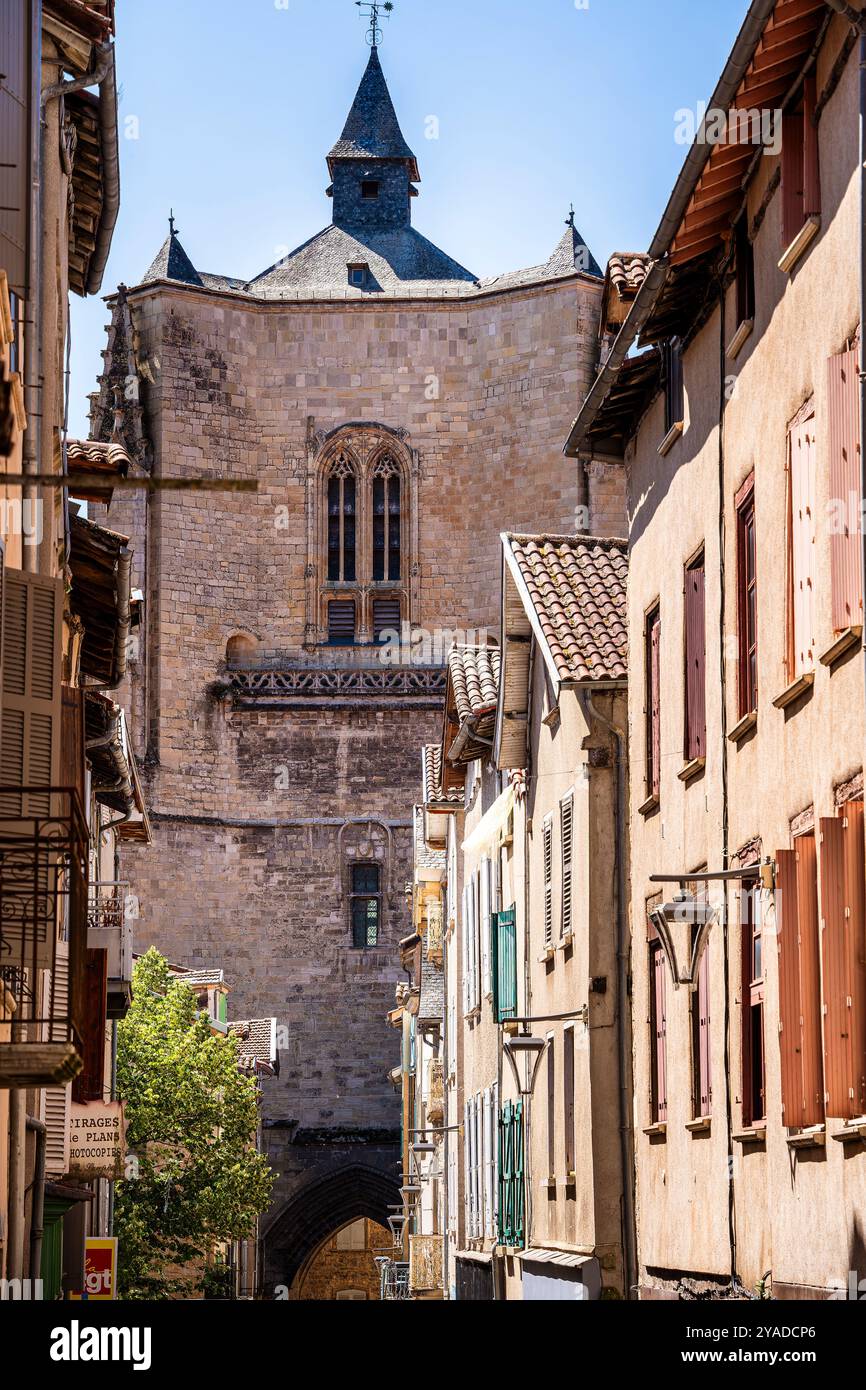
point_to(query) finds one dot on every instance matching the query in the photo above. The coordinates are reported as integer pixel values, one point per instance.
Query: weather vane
(370, 10)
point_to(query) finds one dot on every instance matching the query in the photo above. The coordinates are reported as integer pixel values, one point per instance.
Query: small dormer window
(370, 189)
(358, 276)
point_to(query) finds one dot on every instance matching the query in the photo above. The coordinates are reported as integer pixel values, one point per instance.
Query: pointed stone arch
(319, 1209)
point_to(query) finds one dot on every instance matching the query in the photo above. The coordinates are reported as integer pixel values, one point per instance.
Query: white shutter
(467, 953)
(473, 908)
(547, 842)
(566, 812)
(58, 1099)
(31, 668)
(494, 1141)
(486, 876)
(487, 1158)
(467, 1166)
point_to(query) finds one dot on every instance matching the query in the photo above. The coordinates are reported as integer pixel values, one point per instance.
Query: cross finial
(370, 10)
(171, 227)
(569, 221)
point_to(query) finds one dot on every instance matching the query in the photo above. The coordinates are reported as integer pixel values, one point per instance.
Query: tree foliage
(193, 1176)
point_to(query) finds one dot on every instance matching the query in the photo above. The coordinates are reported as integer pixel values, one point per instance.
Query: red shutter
(660, 1025)
(792, 177)
(654, 703)
(855, 879)
(696, 651)
(89, 1083)
(811, 170)
(846, 561)
(803, 545)
(838, 1058)
(705, 1079)
(799, 986)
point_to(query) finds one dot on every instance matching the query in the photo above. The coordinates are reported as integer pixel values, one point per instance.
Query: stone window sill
(844, 642)
(671, 438)
(802, 241)
(547, 955)
(808, 1139)
(566, 941)
(691, 770)
(748, 1137)
(795, 690)
(659, 1131)
(853, 1133)
(745, 726)
(701, 1126)
(649, 807)
(740, 338)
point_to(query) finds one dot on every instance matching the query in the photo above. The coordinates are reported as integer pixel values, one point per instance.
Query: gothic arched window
(387, 520)
(342, 521)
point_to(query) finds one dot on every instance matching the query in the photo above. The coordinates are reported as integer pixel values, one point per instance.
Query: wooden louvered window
(843, 943)
(386, 619)
(90, 1082)
(797, 934)
(702, 1080)
(551, 1107)
(568, 1112)
(366, 906)
(342, 522)
(747, 602)
(754, 1069)
(341, 622)
(566, 832)
(658, 1026)
(801, 183)
(802, 548)
(695, 662)
(30, 749)
(387, 521)
(504, 965)
(547, 857)
(652, 666)
(846, 560)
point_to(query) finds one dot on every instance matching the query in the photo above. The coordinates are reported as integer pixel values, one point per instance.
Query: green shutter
(505, 975)
(512, 1201)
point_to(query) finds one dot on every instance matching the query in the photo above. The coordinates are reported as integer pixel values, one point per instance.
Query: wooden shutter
(32, 704)
(15, 126)
(803, 546)
(843, 424)
(484, 926)
(566, 827)
(704, 1058)
(466, 949)
(843, 883)
(90, 1082)
(386, 617)
(811, 169)
(467, 1166)
(474, 953)
(696, 661)
(72, 757)
(568, 1098)
(658, 985)
(58, 1099)
(653, 703)
(793, 198)
(505, 1003)
(547, 848)
(799, 986)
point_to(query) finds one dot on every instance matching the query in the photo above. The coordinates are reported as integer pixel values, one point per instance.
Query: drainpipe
(592, 712)
(17, 1179)
(37, 1210)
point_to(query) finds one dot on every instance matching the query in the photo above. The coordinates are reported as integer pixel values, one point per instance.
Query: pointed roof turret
(372, 130)
(172, 262)
(572, 253)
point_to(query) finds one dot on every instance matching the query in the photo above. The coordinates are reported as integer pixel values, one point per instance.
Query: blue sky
(540, 103)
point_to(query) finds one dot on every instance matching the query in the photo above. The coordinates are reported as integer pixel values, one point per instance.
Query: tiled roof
(86, 457)
(372, 130)
(200, 978)
(433, 790)
(400, 260)
(627, 271)
(257, 1049)
(474, 673)
(577, 587)
(172, 263)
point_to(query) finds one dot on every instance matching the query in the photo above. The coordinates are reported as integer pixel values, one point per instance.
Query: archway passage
(320, 1209)
(345, 1268)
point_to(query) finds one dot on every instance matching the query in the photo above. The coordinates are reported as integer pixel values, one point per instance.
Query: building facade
(293, 651)
(738, 427)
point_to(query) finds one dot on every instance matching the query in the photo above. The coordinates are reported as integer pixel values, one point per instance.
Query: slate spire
(172, 262)
(372, 130)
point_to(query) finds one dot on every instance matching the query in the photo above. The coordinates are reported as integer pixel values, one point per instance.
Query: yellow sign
(100, 1269)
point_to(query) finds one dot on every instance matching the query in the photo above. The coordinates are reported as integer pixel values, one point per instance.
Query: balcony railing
(43, 934)
(110, 923)
(283, 689)
(394, 1282)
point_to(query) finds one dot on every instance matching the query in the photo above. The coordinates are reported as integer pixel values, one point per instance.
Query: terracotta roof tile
(474, 675)
(433, 790)
(627, 271)
(577, 586)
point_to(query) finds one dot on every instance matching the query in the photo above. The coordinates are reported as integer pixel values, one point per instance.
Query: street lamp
(524, 1053)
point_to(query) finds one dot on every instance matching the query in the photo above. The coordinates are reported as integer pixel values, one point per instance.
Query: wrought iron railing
(43, 912)
(394, 1281)
(110, 916)
(420, 684)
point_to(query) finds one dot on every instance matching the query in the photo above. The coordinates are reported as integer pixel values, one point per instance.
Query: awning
(492, 823)
(562, 1258)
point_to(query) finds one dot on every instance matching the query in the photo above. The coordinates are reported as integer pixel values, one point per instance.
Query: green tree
(194, 1178)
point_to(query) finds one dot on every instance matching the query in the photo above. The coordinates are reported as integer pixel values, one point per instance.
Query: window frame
(652, 698)
(745, 272)
(747, 612)
(753, 1015)
(674, 385)
(658, 993)
(356, 895)
(695, 663)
